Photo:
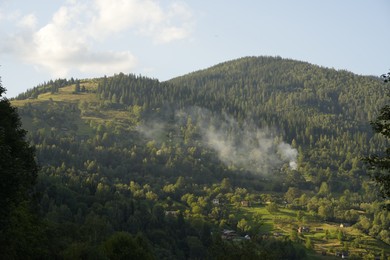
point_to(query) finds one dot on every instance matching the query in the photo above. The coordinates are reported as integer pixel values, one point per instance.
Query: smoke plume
(241, 145)
(287, 153)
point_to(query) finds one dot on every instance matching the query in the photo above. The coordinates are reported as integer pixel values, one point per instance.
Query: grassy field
(91, 112)
(285, 221)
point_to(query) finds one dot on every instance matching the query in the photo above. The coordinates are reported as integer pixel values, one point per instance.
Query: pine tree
(77, 87)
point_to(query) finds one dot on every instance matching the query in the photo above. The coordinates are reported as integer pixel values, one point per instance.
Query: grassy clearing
(67, 94)
(285, 220)
(87, 102)
(21, 103)
(64, 94)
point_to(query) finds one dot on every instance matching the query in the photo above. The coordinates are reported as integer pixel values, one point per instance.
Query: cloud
(74, 38)
(28, 21)
(114, 16)
(171, 34)
(147, 17)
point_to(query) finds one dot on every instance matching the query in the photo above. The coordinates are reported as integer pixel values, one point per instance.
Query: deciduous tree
(18, 173)
(380, 163)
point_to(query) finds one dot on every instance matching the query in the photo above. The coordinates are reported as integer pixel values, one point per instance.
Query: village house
(343, 225)
(303, 229)
(216, 202)
(245, 203)
(228, 234)
(172, 213)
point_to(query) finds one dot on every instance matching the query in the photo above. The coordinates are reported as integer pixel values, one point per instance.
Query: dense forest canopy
(166, 166)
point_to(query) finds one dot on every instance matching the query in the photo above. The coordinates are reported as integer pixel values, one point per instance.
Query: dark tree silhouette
(18, 169)
(381, 162)
(386, 77)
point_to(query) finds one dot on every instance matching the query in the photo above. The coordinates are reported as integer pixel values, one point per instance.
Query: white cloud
(114, 16)
(28, 21)
(147, 17)
(72, 40)
(171, 34)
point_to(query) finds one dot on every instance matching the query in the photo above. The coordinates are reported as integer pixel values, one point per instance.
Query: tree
(18, 173)
(197, 250)
(294, 236)
(77, 87)
(308, 243)
(325, 211)
(243, 225)
(18, 169)
(272, 207)
(340, 235)
(205, 235)
(291, 194)
(122, 245)
(226, 186)
(381, 163)
(327, 234)
(324, 189)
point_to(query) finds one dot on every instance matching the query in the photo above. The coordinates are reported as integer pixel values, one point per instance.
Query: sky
(46, 39)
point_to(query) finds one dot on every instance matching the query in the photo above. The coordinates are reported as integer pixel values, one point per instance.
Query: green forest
(254, 158)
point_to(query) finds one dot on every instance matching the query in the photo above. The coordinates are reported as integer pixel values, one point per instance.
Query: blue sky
(45, 39)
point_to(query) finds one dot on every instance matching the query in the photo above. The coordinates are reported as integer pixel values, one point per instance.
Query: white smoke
(243, 146)
(153, 130)
(287, 153)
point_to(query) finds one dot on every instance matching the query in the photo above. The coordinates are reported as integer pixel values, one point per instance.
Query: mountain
(122, 153)
(317, 109)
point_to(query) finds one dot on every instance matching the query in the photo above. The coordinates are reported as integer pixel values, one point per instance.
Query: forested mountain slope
(121, 153)
(322, 110)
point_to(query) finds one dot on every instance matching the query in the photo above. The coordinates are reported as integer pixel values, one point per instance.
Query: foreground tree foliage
(381, 162)
(19, 225)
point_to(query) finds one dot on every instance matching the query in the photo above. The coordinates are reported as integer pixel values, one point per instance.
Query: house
(343, 254)
(303, 229)
(172, 213)
(343, 225)
(245, 203)
(228, 234)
